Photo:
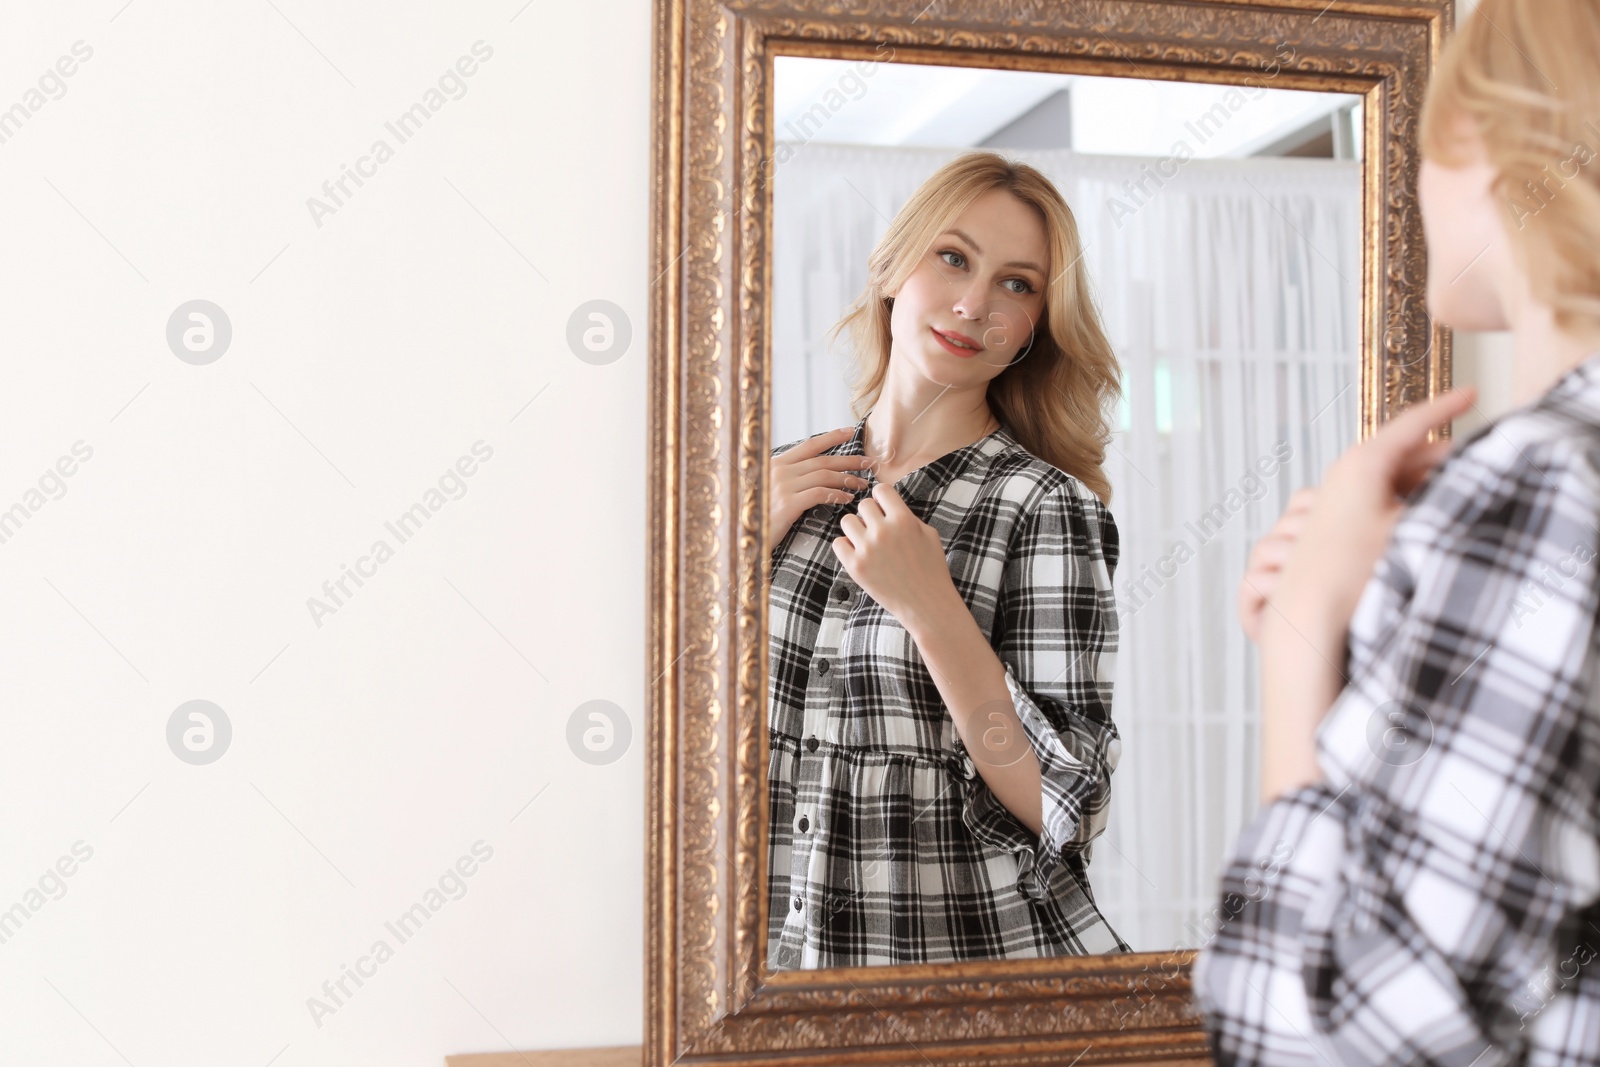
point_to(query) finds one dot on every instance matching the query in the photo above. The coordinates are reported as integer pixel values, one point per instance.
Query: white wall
(1484, 360)
(368, 353)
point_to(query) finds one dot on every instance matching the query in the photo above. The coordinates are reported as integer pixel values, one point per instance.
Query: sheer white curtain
(1231, 291)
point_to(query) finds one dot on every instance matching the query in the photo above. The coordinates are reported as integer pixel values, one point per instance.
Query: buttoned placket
(820, 726)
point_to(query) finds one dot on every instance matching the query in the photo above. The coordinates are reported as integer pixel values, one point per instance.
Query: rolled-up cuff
(1072, 794)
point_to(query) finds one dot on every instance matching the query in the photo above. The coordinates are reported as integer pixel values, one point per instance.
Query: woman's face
(980, 284)
(1467, 243)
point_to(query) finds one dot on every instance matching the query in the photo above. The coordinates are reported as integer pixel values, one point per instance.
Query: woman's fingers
(891, 502)
(1277, 542)
(1252, 602)
(837, 479)
(835, 463)
(852, 527)
(1267, 559)
(829, 472)
(1401, 434)
(1290, 523)
(821, 494)
(802, 478)
(1402, 445)
(812, 447)
(1254, 591)
(1271, 551)
(1399, 453)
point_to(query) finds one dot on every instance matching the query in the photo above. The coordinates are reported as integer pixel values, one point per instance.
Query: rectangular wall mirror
(824, 881)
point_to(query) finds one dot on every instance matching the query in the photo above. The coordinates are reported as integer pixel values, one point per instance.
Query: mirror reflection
(1049, 354)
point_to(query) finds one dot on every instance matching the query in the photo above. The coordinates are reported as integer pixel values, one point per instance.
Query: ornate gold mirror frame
(709, 998)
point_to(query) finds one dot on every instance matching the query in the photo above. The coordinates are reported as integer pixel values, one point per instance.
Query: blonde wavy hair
(1525, 74)
(1056, 399)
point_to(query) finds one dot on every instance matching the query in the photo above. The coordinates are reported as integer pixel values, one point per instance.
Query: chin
(1481, 316)
(1462, 305)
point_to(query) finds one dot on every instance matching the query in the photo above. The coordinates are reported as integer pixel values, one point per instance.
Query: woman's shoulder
(1553, 440)
(1562, 426)
(1017, 475)
(1051, 510)
(1530, 476)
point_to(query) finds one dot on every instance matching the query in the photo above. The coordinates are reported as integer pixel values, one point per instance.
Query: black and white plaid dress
(1434, 901)
(886, 844)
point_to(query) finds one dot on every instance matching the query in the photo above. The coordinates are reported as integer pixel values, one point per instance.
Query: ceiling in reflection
(911, 104)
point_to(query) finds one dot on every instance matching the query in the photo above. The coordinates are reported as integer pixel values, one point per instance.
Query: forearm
(1300, 679)
(972, 681)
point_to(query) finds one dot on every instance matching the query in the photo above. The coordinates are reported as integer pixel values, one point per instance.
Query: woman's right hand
(802, 478)
(1267, 558)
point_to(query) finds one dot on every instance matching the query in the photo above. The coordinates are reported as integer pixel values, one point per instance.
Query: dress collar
(1578, 384)
(927, 480)
(1581, 377)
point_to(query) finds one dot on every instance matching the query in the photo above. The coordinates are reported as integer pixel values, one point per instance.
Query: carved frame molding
(709, 998)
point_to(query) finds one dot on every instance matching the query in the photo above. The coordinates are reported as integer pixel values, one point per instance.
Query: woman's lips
(951, 347)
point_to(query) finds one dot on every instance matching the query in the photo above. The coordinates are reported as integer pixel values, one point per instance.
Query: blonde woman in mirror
(943, 629)
(1422, 884)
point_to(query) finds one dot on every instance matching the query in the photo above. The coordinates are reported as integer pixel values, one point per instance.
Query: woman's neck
(899, 439)
(1541, 351)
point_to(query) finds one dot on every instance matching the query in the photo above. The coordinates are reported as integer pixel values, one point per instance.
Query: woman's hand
(802, 478)
(896, 557)
(1348, 520)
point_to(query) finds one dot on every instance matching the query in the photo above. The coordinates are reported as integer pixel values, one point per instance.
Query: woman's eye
(962, 262)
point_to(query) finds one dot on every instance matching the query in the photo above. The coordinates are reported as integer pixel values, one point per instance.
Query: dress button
(841, 591)
(796, 903)
(822, 666)
(811, 744)
(805, 824)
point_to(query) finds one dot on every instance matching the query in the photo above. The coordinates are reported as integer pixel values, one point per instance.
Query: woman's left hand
(895, 556)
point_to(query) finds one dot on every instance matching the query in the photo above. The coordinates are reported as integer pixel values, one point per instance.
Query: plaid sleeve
(1056, 633)
(1432, 900)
